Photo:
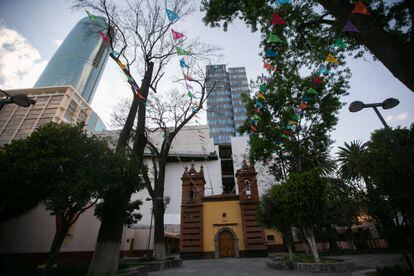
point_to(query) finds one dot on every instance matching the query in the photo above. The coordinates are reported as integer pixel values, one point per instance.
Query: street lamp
(386, 104)
(19, 99)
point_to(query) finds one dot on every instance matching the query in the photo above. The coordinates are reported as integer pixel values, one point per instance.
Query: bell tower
(191, 236)
(254, 237)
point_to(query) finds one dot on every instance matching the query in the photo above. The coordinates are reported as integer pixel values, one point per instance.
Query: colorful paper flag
(181, 51)
(306, 99)
(274, 39)
(263, 88)
(317, 80)
(303, 106)
(291, 127)
(140, 96)
(187, 77)
(270, 54)
(322, 70)
(91, 16)
(330, 58)
(288, 132)
(121, 65)
(258, 104)
(340, 43)
(190, 94)
(115, 53)
(281, 2)
(104, 37)
(360, 8)
(278, 20)
(171, 15)
(252, 127)
(268, 66)
(183, 64)
(349, 27)
(284, 136)
(291, 122)
(176, 35)
(295, 117)
(261, 96)
(312, 91)
(188, 86)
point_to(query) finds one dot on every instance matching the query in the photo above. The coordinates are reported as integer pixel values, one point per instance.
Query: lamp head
(390, 103)
(356, 106)
(21, 100)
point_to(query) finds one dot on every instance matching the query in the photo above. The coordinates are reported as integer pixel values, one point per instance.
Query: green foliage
(300, 202)
(344, 203)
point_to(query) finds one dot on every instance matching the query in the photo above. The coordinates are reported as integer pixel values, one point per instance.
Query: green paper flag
(274, 38)
(295, 117)
(190, 94)
(263, 88)
(312, 91)
(181, 52)
(340, 43)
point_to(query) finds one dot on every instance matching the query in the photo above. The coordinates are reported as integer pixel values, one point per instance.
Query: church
(223, 225)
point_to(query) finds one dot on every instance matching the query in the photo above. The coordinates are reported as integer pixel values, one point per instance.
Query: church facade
(223, 225)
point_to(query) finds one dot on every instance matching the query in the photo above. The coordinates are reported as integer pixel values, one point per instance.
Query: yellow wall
(213, 213)
(277, 235)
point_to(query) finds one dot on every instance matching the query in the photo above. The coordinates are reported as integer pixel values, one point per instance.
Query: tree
(15, 179)
(392, 197)
(70, 167)
(305, 202)
(299, 202)
(169, 116)
(387, 33)
(138, 36)
(272, 214)
(344, 205)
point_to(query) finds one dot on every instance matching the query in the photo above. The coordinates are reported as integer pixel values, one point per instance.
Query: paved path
(257, 266)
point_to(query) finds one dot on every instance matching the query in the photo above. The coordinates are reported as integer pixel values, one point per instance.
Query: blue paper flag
(281, 2)
(183, 64)
(322, 70)
(171, 15)
(115, 53)
(269, 53)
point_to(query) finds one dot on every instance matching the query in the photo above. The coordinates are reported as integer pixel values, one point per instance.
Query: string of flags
(317, 82)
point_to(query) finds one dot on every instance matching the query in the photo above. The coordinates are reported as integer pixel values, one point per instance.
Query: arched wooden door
(226, 244)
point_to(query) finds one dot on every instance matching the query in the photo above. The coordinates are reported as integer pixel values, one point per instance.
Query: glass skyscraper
(225, 114)
(80, 59)
(225, 110)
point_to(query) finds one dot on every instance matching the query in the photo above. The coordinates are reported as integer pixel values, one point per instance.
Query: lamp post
(19, 99)
(386, 104)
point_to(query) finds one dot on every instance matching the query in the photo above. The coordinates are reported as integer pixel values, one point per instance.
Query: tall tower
(79, 61)
(225, 114)
(191, 237)
(254, 237)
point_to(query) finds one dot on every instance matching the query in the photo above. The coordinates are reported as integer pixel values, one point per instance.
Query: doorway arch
(226, 243)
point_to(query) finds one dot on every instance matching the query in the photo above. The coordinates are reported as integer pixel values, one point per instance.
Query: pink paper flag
(176, 35)
(104, 37)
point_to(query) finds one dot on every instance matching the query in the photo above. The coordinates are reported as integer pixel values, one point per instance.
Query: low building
(53, 104)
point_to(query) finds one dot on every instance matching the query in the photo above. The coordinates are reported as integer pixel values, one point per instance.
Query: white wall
(240, 150)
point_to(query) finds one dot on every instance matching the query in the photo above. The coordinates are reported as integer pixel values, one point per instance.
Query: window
(270, 238)
(247, 187)
(192, 190)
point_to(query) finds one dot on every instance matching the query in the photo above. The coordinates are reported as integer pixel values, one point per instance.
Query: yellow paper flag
(331, 58)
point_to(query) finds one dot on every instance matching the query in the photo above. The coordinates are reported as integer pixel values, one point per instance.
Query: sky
(31, 31)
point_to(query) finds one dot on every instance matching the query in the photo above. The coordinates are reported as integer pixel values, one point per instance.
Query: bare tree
(170, 115)
(137, 33)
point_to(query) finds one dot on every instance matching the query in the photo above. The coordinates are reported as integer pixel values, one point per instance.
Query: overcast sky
(31, 31)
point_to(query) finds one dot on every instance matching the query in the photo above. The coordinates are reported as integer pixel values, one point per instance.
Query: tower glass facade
(79, 61)
(225, 114)
(225, 110)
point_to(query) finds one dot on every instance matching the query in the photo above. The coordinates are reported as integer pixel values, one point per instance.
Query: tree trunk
(159, 239)
(55, 248)
(311, 240)
(396, 56)
(350, 237)
(288, 239)
(106, 256)
(159, 208)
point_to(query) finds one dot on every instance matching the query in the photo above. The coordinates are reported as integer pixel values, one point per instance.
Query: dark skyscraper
(79, 61)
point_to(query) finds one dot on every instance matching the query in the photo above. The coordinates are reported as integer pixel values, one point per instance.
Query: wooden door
(226, 244)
